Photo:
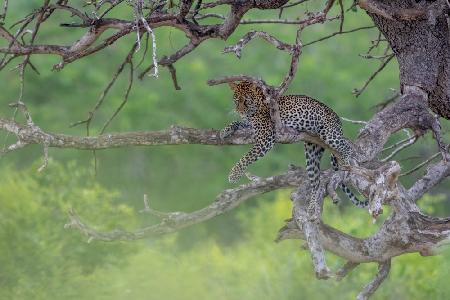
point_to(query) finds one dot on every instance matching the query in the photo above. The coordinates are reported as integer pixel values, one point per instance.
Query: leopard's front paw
(226, 132)
(235, 174)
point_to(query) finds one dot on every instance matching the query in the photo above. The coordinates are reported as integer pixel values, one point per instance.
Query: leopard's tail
(346, 190)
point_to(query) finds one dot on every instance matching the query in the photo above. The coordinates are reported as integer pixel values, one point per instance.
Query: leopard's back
(307, 114)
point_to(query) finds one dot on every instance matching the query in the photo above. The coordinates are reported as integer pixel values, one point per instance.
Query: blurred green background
(230, 257)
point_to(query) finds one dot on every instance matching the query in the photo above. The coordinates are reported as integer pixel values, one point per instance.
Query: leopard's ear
(232, 85)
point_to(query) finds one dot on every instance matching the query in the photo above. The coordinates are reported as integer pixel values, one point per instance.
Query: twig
(111, 7)
(380, 57)
(409, 138)
(167, 60)
(145, 51)
(375, 43)
(209, 15)
(338, 33)
(358, 92)
(281, 22)
(45, 163)
(354, 121)
(383, 104)
(411, 141)
(173, 74)
(370, 289)
(45, 139)
(295, 3)
(5, 10)
(106, 90)
(341, 25)
(125, 99)
(154, 212)
(421, 164)
(196, 10)
(216, 3)
(249, 36)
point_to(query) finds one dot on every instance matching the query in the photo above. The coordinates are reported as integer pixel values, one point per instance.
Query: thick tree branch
(174, 221)
(174, 136)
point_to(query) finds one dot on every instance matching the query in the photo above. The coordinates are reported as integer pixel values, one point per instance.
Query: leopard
(300, 112)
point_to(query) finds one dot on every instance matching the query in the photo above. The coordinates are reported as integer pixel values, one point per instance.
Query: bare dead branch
(408, 139)
(424, 163)
(232, 78)
(404, 145)
(125, 98)
(375, 43)
(170, 60)
(127, 60)
(379, 57)
(434, 175)
(295, 3)
(358, 92)
(45, 163)
(237, 48)
(5, 11)
(386, 102)
(354, 121)
(311, 232)
(216, 3)
(173, 74)
(173, 221)
(173, 136)
(342, 16)
(338, 33)
(286, 22)
(153, 212)
(369, 290)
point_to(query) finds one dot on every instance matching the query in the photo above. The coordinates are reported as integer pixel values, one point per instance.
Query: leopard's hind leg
(313, 154)
(346, 190)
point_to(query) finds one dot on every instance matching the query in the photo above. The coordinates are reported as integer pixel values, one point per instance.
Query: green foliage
(256, 268)
(40, 259)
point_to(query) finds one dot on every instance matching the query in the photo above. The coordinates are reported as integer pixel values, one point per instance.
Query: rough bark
(422, 48)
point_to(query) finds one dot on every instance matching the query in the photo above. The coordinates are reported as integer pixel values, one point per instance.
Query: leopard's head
(248, 98)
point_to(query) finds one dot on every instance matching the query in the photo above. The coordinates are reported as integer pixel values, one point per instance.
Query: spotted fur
(300, 112)
(346, 190)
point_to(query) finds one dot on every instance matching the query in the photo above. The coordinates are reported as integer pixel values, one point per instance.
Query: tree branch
(383, 272)
(174, 221)
(173, 136)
